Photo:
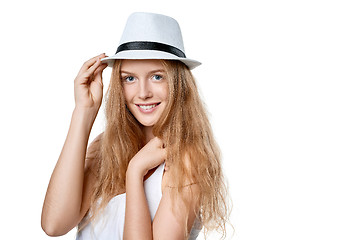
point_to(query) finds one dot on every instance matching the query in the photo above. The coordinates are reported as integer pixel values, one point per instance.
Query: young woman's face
(145, 89)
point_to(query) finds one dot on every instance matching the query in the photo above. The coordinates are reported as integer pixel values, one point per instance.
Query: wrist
(85, 116)
(134, 172)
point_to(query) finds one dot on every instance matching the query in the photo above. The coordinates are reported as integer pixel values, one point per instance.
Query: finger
(96, 65)
(100, 69)
(92, 69)
(163, 154)
(87, 76)
(90, 62)
(98, 74)
(94, 73)
(158, 142)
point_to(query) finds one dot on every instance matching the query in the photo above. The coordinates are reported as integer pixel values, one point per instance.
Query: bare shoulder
(175, 211)
(188, 184)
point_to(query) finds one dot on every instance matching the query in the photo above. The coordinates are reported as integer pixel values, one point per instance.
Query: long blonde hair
(184, 128)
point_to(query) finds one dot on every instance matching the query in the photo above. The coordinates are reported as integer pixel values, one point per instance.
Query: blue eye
(129, 79)
(157, 77)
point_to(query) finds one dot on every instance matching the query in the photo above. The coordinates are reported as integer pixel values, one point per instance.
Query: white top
(110, 223)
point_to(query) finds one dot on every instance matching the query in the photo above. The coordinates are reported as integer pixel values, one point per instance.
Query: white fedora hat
(151, 36)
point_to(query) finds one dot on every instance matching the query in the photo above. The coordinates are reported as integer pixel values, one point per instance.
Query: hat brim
(149, 54)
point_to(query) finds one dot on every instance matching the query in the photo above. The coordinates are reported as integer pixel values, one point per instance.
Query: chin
(147, 124)
(146, 121)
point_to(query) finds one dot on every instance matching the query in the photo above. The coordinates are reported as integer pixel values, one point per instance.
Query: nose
(144, 90)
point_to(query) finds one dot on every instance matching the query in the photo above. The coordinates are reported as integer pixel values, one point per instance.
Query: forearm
(64, 195)
(137, 216)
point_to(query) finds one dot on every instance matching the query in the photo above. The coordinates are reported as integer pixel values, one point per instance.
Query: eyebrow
(151, 72)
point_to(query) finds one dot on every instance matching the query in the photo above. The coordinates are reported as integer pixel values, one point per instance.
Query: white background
(280, 80)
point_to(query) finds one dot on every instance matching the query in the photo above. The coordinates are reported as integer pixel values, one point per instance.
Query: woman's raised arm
(63, 206)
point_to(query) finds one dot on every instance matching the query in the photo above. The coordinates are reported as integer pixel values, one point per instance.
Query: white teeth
(147, 107)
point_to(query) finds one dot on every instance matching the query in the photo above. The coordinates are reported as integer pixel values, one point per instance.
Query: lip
(148, 104)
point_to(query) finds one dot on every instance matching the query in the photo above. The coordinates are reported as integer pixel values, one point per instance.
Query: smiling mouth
(147, 106)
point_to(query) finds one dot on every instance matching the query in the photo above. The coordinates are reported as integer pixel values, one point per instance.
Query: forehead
(141, 65)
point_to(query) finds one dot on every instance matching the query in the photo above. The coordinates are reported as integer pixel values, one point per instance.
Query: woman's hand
(149, 157)
(88, 84)
(137, 215)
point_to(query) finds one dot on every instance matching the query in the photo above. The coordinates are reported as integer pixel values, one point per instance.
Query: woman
(157, 153)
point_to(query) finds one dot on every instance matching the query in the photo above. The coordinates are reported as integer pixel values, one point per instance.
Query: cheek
(127, 93)
(164, 92)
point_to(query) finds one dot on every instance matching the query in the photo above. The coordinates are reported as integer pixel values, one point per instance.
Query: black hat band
(150, 46)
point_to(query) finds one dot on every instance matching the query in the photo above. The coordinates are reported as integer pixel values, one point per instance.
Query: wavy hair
(186, 132)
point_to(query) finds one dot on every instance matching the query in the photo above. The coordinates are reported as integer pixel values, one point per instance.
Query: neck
(148, 133)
